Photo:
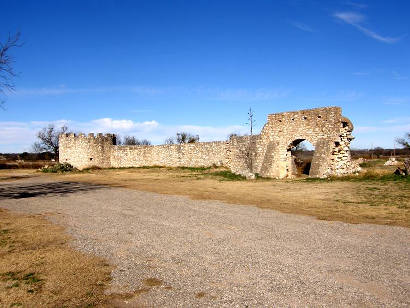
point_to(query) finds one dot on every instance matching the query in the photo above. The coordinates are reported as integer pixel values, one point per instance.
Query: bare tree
(404, 142)
(131, 140)
(48, 139)
(118, 140)
(181, 138)
(185, 137)
(170, 140)
(7, 72)
(232, 135)
(251, 121)
(250, 149)
(144, 142)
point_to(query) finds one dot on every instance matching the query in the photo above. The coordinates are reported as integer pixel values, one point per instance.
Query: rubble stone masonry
(267, 154)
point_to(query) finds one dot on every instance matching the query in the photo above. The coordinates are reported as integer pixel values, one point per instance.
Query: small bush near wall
(58, 168)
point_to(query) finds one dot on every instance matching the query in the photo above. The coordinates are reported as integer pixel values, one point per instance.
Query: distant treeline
(379, 152)
(27, 156)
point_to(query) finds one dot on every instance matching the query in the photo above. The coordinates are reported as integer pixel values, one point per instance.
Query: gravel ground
(207, 253)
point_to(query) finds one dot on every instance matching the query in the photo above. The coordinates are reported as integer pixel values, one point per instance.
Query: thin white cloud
(301, 26)
(248, 94)
(396, 100)
(393, 128)
(107, 124)
(360, 73)
(231, 94)
(325, 97)
(348, 96)
(357, 5)
(356, 20)
(140, 110)
(350, 17)
(397, 120)
(398, 76)
(62, 90)
(19, 136)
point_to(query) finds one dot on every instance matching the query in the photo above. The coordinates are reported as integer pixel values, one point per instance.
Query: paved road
(207, 253)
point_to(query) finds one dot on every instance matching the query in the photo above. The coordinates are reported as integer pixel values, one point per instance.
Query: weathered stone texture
(267, 154)
(174, 155)
(85, 151)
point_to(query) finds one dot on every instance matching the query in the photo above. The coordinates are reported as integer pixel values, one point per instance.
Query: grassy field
(375, 196)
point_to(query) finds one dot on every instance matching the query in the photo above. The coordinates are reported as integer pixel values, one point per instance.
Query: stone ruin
(267, 154)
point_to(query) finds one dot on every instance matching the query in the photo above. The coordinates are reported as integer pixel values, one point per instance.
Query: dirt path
(174, 251)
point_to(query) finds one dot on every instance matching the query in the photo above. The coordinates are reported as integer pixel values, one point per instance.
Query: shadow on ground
(44, 189)
(15, 177)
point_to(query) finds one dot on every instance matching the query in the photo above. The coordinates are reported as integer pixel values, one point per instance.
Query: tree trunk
(407, 166)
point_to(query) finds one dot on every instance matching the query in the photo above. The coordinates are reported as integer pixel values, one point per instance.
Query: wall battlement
(90, 136)
(267, 154)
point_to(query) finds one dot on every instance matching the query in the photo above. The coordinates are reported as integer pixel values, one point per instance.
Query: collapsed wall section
(325, 128)
(242, 155)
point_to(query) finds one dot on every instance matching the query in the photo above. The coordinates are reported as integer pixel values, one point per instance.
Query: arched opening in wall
(300, 153)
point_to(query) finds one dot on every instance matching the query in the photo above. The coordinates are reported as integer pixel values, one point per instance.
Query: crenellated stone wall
(267, 154)
(85, 151)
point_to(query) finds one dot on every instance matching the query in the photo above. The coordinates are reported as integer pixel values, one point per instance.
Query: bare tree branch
(7, 72)
(251, 121)
(170, 140)
(131, 140)
(404, 142)
(185, 137)
(48, 139)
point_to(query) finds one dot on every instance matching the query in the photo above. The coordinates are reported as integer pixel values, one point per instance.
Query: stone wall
(199, 154)
(267, 154)
(85, 151)
(325, 128)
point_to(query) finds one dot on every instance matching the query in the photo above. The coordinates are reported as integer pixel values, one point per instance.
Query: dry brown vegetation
(373, 197)
(18, 174)
(39, 269)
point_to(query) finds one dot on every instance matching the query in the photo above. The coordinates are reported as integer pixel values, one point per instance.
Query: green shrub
(228, 175)
(64, 167)
(195, 169)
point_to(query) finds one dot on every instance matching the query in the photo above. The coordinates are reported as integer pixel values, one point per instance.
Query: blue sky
(151, 68)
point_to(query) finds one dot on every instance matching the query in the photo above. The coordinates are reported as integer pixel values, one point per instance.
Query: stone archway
(300, 157)
(325, 128)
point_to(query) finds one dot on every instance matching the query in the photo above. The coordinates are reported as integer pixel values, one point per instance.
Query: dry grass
(353, 200)
(17, 174)
(39, 269)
